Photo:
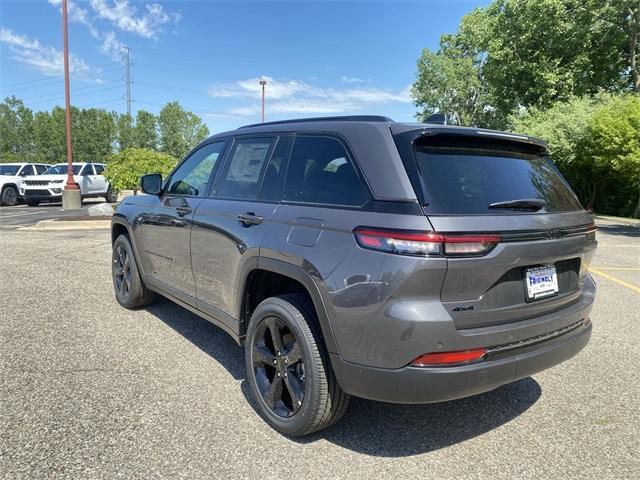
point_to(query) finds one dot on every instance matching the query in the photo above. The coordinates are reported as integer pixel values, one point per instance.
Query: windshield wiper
(532, 204)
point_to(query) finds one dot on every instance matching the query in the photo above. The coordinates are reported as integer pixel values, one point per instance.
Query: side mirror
(151, 184)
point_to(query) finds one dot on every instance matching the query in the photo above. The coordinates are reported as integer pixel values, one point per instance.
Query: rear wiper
(533, 204)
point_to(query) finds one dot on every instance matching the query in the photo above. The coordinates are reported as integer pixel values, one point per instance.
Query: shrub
(612, 148)
(125, 168)
(594, 142)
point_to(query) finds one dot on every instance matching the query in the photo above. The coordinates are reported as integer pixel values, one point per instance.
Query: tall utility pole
(71, 198)
(127, 74)
(263, 83)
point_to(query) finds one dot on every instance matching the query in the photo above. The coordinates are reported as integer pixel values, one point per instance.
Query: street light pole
(263, 83)
(71, 198)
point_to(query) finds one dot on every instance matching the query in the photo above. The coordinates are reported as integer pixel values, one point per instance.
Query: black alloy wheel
(127, 282)
(288, 367)
(278, 365)
(122, 271)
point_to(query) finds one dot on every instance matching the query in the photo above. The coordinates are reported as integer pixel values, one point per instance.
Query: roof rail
(349, 118)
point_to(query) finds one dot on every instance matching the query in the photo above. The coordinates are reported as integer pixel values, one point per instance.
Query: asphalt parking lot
(23, 215)
(90, 390)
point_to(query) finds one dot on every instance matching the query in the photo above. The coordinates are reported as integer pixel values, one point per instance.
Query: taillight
(448, 358)
(407, 242)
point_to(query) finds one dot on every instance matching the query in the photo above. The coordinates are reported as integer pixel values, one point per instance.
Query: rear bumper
(429, 385)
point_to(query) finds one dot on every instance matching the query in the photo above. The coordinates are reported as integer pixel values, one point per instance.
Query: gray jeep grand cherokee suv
(407, 263)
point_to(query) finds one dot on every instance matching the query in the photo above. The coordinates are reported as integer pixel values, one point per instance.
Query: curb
(61, 225)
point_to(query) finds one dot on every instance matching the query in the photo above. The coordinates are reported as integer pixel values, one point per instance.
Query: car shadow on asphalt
(368, 427)
(620, 230)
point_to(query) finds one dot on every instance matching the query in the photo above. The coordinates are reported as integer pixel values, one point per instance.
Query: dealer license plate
(541, 282)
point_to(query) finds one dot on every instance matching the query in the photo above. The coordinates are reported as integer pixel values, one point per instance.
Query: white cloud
(354, 79)
(79, 15)
(125, 17)
(111, 46)
(46, 59)
(295, 96)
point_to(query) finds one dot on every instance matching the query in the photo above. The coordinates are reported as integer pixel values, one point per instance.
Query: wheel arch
(10, 184)
(301, 279)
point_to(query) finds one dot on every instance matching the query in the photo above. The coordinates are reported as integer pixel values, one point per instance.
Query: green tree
(49, 136)
(179, 130)
(449, 81)
(125, 168)
(516, 54)
(146, 130)
(548, 50)
(125, 132)
(595, 142)
(16, 131)
(612, 147)
(93, 134)
(564, 127)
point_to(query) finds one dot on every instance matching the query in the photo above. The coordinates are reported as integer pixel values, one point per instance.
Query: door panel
(165, 232)
(226, 235)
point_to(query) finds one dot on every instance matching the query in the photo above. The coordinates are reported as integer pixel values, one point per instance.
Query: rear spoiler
(410, 132)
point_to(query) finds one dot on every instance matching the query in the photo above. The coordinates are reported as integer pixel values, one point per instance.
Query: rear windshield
(467, 181)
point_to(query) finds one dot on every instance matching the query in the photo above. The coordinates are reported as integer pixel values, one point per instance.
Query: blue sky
(319, 58)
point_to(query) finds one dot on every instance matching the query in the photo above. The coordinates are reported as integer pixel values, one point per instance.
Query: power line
(57, 94)
(113, 101)
(79, 95)
(42, 81)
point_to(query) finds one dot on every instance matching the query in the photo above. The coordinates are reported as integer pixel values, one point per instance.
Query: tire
(307, 396)
(9, 196)
(130, 291)
(111, 196)
(32, 203)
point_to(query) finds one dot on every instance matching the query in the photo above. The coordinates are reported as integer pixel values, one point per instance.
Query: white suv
(48, 186)
(11, 178)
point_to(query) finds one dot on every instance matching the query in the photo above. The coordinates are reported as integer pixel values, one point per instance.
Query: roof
(331, 123)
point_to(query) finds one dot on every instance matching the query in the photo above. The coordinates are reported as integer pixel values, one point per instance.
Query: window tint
(61, 169)
(40, 169)
(269, 190)
(320, 171)
(244, 169)
(99, 169)
(467, 181)
(193, 175)
(26, 170)
(87, 170)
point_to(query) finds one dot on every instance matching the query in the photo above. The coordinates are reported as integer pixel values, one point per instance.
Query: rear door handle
(182, 211)
(250, 218)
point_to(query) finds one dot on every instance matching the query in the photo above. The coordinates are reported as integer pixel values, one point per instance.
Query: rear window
(466, 181)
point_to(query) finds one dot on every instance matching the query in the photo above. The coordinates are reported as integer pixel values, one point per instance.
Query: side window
(40, 169)
(99, 169)
(243, 171)
(320, 171)
(192, 177)
(271, 178)
(87, 170)
(26, 170)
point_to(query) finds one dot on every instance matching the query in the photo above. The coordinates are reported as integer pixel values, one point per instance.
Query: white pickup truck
(12, 176)
(48, 186)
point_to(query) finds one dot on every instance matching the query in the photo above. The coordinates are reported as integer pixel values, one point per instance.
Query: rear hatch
(505, 190)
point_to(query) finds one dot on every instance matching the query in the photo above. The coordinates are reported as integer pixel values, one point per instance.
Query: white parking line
(22, 214)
